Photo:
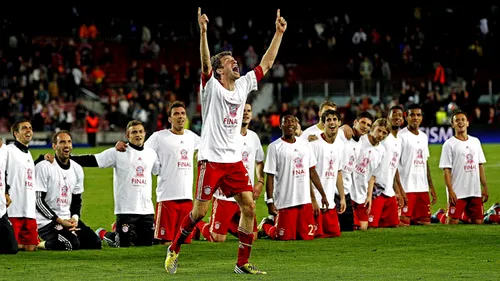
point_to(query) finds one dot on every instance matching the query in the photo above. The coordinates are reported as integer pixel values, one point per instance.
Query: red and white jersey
(251, 153)
(176, 153)
(132, 180)
(21, 179)
(388, 167)
(3, 164)
(222, 114)
(329, 157)
(59, 184)
(290, 164)
(367, 165)
(413, 161)
(463, 158)
(350, 154)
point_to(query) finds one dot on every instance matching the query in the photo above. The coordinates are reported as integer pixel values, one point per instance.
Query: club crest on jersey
(470, 158)
(419, 161)
(139, 171)
(206, 190)
(244, 156)
(298, 163)
(58, 227)
(281, 231)
(64, 191)
(29, 174)
(217, 225)
(233, 109)
(125, 228)
(184, 155)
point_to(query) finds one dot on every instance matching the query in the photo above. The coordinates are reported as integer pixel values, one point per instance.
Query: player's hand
(316, 208)
(312, 138)
(280, 23)
(121, 146)
(324, 203)
(452, 198)
(74, 222)
(348, 133)
(368, 205)
(202, 20)
(343, 206)
(400, 199)
(49, 157)
(485, 196)
(434, 197)
(257, 190)
(7, 199)
(271, 209)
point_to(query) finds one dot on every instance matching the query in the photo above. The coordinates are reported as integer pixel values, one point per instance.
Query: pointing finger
(199, 11)
(278, 14)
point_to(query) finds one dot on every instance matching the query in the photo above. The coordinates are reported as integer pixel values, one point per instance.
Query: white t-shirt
(367, 165)
(132, 180)
(388, 167)
(350, 153)
(222, 114)
(312, 130)
(290, 164)
(251, 153)
(329, 157)
(59, 184)
(175, 153)
(3, 163)
(413, 162)
(463, 158)
(21, 179)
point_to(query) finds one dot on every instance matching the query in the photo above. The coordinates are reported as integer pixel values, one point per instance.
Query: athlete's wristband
(269, 201)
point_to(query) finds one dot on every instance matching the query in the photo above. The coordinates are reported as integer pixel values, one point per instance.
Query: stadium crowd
(138, 66)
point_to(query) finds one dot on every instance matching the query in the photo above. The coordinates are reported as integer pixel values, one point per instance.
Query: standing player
(290, 166)
(225, 211)
(8, 243)
(414, 170)
(20, 178)
(361, 127)
(366, 167)
(223, 94)
(389, 195)
(462, 160)
(314, 132)
(328, 154)
(59, 188)
(132, 188)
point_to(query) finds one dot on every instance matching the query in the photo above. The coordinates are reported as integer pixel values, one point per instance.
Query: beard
(395, 127)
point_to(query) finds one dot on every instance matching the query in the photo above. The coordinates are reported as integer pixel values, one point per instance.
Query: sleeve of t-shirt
(42, 176)
(152, 142)
(446, 159)
(270, 165)
(259, 153)
(107, 158)
(79, 181)
(482, 158)
(312, 158)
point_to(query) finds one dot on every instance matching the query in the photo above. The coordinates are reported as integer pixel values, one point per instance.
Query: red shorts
(168, 218)
(327, 224)
(231, 178)
(418, 207)
(359, 211)
(25, 230)
(465, 209)
(294, 223)
(226, 217)
(384, 212)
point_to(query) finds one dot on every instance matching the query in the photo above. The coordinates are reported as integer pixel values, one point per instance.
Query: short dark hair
(176, 104)
(456, 112)
(134, 123)
(396, 107)
(215, 60)
(16, 125)
(286, 113)
(364, 114)
(329, 112)
(54, 136)
(413, 106)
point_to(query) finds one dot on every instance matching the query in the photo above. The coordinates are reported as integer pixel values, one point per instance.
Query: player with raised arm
(223, 94)
(329, 153)
(414, 170)
(462, 160)
(225, 211)
(389, 196)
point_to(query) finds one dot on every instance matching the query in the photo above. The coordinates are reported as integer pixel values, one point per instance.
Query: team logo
(470, 158)
(420, 154)
(405, 209)
(351, 160)
(244, 156)
(298, 163)
(139, 171)
(233, 109)
(452, 210)
(217, 225)
(125, 228)
(206, 190)
(365, 162)
(184, 154)
(395, 157)
(58, 227)
(162, 231)
(64, 191)
(330, 164)
(281, 231)
(370, 219)
(29, 174)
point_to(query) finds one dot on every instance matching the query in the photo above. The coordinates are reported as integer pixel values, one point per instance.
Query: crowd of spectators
(48, 71)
